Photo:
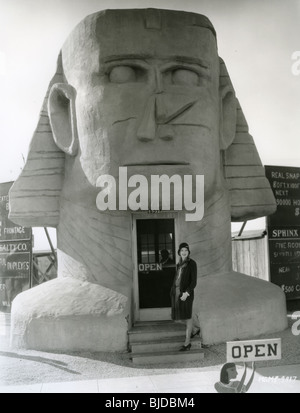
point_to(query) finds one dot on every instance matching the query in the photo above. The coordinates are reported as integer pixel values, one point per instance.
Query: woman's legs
(188, 331)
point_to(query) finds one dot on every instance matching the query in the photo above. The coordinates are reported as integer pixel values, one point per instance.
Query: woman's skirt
(181, 310)
(177, 303)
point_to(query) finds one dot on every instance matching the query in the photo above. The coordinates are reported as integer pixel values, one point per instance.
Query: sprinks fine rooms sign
(284, 229)
(254, 350)
(15, 252)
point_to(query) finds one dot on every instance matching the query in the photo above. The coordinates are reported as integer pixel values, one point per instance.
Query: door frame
(155, 313)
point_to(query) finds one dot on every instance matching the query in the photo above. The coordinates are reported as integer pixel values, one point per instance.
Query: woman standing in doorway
(182, 291)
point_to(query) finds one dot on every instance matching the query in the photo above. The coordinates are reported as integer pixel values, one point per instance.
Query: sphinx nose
(161, 111)
(147, 128)
(152, 124)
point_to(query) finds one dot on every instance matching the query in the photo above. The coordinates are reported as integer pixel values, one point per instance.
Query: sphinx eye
(122, 74)
(185, 77)
(127, 74)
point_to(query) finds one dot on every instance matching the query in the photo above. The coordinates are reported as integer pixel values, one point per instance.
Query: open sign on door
(150, 267)
(254, 350)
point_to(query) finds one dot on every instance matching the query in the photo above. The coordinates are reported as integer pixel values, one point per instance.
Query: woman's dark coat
(188, 282)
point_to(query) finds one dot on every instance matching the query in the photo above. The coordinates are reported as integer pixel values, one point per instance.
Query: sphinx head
(146, 90)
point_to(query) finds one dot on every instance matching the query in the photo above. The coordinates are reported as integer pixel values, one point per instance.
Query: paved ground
(281, 379)
(81, 372)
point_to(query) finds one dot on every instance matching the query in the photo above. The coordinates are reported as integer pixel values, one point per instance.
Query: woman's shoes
(196, 334)
(185, 348)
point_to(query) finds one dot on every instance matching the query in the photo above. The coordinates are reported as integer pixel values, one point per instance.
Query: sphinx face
(147, 98)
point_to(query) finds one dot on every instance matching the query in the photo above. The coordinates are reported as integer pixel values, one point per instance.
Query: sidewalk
(283, 379)
(30, 371)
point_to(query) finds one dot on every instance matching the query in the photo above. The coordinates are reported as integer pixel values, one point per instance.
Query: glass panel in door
(156, 262)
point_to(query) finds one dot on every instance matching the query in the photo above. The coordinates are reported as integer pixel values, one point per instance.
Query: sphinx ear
(228, 115)
(62, 115)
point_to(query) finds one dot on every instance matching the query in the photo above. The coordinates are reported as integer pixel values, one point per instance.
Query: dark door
(156, 261)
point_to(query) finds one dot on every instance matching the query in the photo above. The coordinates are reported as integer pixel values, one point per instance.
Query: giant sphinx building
(143, 90)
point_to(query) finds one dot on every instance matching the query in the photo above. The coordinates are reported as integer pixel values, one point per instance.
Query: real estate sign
(284, 229)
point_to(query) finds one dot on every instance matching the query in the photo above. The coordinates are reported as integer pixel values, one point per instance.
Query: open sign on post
(254, 350)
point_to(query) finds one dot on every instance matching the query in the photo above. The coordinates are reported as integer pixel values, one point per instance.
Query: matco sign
(254, 350)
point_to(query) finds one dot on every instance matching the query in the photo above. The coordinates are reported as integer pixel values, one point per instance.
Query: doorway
(156, 267)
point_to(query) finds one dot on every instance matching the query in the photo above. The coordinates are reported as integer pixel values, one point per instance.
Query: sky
(258, 39)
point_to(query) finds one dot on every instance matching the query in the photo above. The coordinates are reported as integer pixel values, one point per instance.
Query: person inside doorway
(166, 259)
(182, 292)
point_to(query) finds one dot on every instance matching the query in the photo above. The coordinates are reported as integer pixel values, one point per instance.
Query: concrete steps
(159, 342)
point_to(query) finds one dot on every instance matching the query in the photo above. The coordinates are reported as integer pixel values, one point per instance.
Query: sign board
(15, 252)
(284, 229)
(9, 230)
(15, 259)
(253, 350)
